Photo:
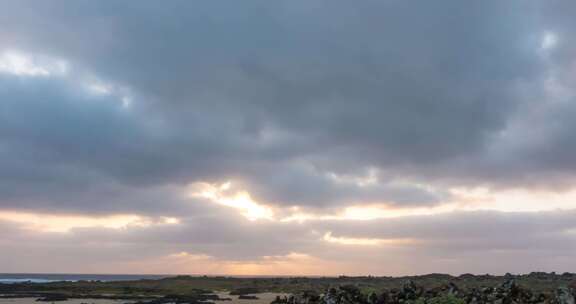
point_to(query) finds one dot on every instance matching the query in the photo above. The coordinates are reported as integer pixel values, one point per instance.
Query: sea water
(8, 278)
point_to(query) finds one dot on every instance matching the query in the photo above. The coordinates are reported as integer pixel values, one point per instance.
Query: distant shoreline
(10, 278)
(74, 277)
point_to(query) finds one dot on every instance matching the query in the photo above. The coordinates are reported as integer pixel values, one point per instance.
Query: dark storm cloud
(65, 148)
(295, 183)
(247, 90)
(318, 104)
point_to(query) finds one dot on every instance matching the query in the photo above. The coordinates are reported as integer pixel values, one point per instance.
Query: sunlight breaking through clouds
(240, 200)
(465, 199)
(226, 194)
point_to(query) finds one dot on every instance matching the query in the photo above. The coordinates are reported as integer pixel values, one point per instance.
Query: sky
(300, 137)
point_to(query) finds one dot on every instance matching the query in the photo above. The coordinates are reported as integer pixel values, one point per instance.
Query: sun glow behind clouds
(463, 199)
(241, 200)
(292, 263)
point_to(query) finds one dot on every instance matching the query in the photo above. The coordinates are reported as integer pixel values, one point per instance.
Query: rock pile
(507, 293)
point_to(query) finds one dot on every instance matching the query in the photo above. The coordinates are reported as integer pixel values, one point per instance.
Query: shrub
(447, 299)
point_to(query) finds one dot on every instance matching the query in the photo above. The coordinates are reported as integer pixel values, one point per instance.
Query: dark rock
(244, 291)
(247, 297)
(53, 298)
(565, 295)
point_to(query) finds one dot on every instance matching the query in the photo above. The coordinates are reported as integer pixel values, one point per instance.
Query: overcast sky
(309, 137)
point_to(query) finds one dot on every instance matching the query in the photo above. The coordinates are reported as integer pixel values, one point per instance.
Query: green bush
(417, 301)
(447, 299)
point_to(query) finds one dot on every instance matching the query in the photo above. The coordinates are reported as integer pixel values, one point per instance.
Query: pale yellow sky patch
(516, 200)
(365, 241)
(293, 263)
(64, 223)
(371, 212)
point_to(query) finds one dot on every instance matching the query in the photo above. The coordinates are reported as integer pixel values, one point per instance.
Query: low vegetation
(534, 288)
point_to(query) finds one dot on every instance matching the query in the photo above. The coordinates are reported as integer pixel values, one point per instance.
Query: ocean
(8, 278)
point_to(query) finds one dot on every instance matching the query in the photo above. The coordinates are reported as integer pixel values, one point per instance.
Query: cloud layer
(264, 134)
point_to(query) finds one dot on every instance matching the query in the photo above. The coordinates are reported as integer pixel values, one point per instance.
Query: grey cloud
(226, 89)
(447, 234)
(250, 93)
(303, 184)
(73, 151)
(454, 242)
(276, 96)
(477, 226)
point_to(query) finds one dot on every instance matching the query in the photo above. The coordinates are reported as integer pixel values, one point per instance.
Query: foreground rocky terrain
(507, 293)
(533, 288)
